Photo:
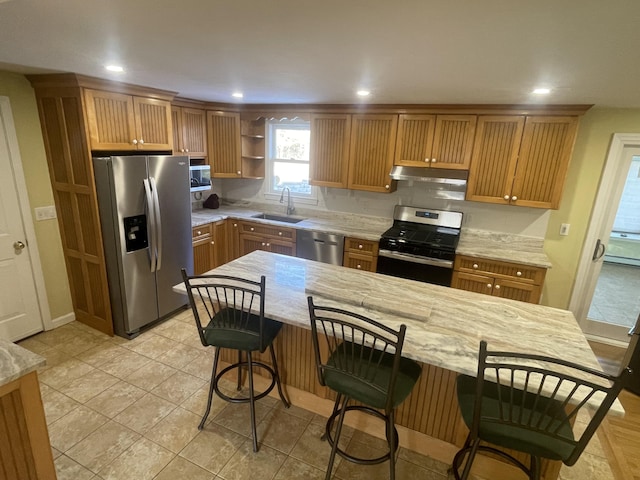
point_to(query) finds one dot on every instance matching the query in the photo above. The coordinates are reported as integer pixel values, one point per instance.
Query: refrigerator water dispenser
(135, 233)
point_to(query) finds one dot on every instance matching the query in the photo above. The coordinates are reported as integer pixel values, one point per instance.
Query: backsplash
(484, 216)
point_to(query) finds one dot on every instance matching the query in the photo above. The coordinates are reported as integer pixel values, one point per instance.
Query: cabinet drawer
(267, 230)
(201, 231)
(359, 246)
(358, 261)
(498, 269)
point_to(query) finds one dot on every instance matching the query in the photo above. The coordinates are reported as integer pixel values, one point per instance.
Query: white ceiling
(322, 51)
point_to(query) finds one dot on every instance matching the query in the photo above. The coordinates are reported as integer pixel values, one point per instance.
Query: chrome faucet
(290, 208)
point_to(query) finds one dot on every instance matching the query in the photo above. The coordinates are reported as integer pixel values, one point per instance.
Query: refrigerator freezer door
(173, 216)
(132, 285)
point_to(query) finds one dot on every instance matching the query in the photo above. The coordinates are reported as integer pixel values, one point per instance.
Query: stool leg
(336, 405)
(239, 387)
(211, 388)
(336, 439)
(534, 472)
(252, 405)
(475, 443)
(392, 445)
(277, 375)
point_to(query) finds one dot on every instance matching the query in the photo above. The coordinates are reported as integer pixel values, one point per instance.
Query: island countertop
(444, 325)
(16, 362)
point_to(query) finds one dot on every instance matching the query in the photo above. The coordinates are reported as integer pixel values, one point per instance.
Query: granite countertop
(473, 242)
(444, 325)
(16, 361)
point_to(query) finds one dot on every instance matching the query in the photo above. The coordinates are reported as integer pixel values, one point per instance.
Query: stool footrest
(351, 458)
(245, 399)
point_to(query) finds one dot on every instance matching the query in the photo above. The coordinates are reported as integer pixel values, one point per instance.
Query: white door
(19, 307)
(605, 299)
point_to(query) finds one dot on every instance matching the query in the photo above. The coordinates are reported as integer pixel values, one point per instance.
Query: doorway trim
(585, 282)
(25, 210)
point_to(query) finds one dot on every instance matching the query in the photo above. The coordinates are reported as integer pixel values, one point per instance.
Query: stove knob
(506, 197)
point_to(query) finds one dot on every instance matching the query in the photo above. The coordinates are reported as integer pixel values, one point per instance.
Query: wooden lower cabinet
(269, 238)
(360, 254)
(209, 246)
(500, 279)
(233, 239)
(24, 439)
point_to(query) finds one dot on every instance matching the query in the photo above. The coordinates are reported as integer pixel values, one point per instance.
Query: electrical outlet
(45, 213)
(564, 229)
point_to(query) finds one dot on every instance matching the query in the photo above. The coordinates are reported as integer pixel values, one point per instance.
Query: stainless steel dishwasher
(320, 246)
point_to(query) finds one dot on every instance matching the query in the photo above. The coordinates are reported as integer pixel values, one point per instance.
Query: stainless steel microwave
(200, 177)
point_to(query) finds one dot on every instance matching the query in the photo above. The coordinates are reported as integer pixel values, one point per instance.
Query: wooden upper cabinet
(189, 131)
(545, 153)
(521, 160)
(494, 159)
(371, 152)
(223, 138)
(118, 121)
(329, 152)
(442, 141)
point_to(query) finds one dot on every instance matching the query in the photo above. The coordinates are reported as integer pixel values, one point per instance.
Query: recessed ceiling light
(542, 91)
(237, 94)
(363, 93)
(114, 68)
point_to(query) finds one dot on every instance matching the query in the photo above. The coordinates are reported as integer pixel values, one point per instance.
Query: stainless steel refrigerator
(145, 214)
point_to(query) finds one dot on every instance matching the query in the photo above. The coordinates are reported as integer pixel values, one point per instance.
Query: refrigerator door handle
(152, 222)
(158, 220)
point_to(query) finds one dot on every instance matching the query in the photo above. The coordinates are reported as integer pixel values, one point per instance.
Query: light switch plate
(45, 213)
(564, 229)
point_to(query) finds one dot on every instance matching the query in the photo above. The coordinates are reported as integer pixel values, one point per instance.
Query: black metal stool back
(361, 360)
(233, 309)
(529, 403)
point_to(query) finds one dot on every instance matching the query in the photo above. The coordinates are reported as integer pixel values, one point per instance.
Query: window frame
(270, 160)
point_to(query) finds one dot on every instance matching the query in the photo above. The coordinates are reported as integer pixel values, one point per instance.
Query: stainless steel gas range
(421, 244)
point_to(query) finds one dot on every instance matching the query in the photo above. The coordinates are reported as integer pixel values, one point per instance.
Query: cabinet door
(219, 243)
(453, 141)
(203, 259)
(176, 124)
(111, 120)
(153, 124)
(472, 282)
(523, 292)
(415, 140)
(223, 138)
(251, 243)
(329, 150)
(494, 159)
(233, 235)
(371, 152)
(194, 132)
(547, 145)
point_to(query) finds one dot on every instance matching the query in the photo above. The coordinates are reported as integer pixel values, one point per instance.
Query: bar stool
(531, 408)
(228, 305)
(361, 360)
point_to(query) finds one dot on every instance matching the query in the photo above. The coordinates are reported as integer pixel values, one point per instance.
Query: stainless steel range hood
(456, 178)
(439, 182)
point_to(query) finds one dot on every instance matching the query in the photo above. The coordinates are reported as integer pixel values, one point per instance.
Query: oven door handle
(435, 262)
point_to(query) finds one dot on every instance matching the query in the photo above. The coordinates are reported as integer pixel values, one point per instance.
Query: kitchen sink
(278, 218)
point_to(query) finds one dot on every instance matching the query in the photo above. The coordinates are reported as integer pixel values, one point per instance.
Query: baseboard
(63, 320)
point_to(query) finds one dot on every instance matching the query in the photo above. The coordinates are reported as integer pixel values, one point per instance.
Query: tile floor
(122, 410)
(616, 298)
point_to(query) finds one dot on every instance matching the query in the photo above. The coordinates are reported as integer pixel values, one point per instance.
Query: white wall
(500, 218)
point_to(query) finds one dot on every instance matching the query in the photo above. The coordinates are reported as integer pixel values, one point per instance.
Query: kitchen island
(444, 329)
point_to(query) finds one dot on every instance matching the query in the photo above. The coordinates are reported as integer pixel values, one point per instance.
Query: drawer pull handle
(239, 172)
(489, 285)
(235, 224)
(280, 233)
(252, 229)
(386, 187)
(475, 265)
(506, 197)
(433, 160)
(141, 142)
(518, 274)
(134, 141)
(263, 244)
(514, 198)
(213, 243)
(497, 287)
(358, 266)
(360, 246)
(199, 232)
(268, 244)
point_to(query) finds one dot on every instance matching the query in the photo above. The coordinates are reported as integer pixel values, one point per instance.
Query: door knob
(19, 245)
